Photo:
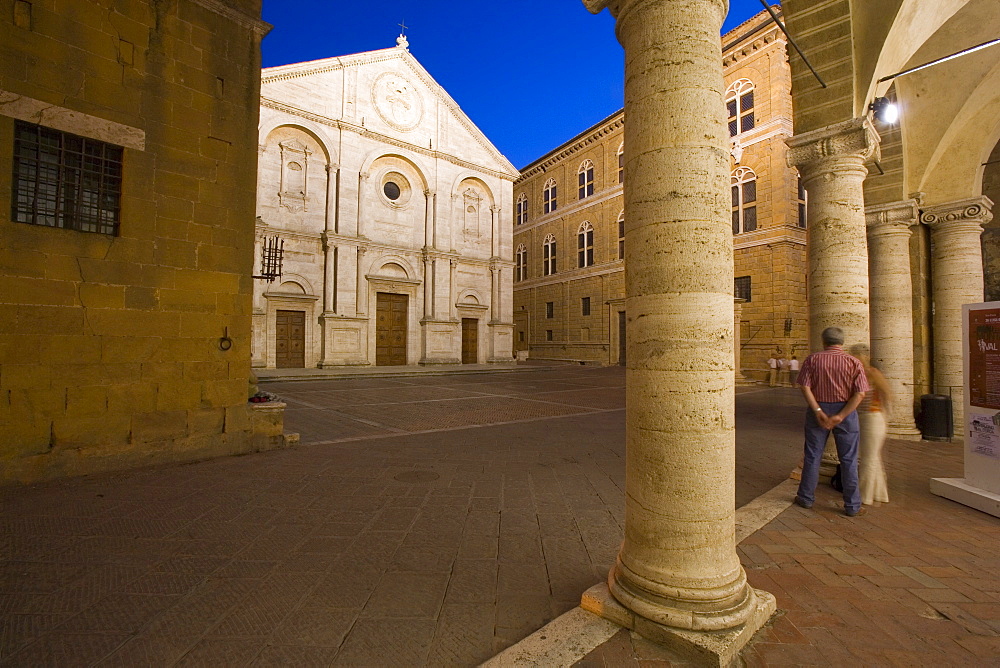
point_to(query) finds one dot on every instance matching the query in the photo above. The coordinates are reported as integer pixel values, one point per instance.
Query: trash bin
(936, 418)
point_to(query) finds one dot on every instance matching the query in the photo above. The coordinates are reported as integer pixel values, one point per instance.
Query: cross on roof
(403, 26)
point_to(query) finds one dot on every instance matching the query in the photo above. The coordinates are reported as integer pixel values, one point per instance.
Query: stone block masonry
(111, 354)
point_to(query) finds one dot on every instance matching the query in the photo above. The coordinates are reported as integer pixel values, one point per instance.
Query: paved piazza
(427, 520)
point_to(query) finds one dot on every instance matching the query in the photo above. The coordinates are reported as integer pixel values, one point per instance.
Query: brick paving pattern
(436, 542)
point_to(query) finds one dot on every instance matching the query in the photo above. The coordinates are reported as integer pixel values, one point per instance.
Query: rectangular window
(550, 309)
(585, 306)
(520, 337)
(802, 204)
(548, 335)
(741, 287)
(64, 180)
(750, 219)
(621, 239)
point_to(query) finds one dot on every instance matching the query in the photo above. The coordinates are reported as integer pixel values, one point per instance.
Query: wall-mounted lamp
(884, 109)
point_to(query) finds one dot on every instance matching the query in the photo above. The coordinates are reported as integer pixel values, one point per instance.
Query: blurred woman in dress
(872, 414)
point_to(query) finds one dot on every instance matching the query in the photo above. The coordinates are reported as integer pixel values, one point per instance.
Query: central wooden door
(290, 339)
(470, 340)
(390, 329)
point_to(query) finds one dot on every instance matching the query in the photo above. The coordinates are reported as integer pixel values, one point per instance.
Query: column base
(707, 648)
(903, 432)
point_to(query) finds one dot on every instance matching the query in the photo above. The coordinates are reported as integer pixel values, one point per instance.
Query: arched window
(621, 163)
(549, 196)
(585, 179)
(585, 245)
(621, 235)
(522, 209)
(802, 204)
(549, 255)
(520, 263)
(744, 187)
(739, 106)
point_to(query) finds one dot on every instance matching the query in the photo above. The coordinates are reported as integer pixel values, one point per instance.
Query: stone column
(957, 278)
(831, 161)
(889, 230)
(362, 183)
(428, 287)
(677, 578)
(428, 223)
(494, 292)
(452, 297)
(362, 289)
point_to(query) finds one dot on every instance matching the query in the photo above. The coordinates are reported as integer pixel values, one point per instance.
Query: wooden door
(390, 329)
(470, 341)
(290, 339)
(621, 338)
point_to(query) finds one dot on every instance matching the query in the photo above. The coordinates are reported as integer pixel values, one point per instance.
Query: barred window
(621, 163)
(549, 203)
(64, 180)
(741, 287)
(585, 179)
(550, 309)
(585, 245)
(739, 106)
(520, 263)
(744, 189)
(585, 305)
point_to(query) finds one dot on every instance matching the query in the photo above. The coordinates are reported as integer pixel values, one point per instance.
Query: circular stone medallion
(397, 101)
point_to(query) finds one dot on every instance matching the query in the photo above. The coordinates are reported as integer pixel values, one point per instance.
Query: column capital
(855, 139)
(895, 217)
(975, 211)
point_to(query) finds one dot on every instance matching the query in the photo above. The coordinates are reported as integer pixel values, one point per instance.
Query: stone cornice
(377, 136)
(895, 215)
(753, 47)
(973, 211)
(575, 274)
(576, 207)
(236, 16)
(577, 143)
(854, 138)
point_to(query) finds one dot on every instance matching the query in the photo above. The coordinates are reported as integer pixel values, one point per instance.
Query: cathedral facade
(570, 224)
(394, 213)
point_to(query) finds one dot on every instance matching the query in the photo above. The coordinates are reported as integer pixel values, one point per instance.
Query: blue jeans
(846, 435)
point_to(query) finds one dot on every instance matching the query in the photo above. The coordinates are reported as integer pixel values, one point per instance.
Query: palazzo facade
(395, 215)
(569, 232)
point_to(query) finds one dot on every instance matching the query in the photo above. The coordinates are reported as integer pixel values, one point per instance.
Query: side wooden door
(390, 329)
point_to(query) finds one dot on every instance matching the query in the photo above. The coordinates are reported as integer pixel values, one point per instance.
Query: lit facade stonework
(125, 313)
(395, 213)
(573, 307)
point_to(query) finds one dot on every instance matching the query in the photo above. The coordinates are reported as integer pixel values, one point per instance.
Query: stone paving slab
(434, 547)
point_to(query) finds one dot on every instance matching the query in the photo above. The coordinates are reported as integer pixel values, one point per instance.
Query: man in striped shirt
(833, 383)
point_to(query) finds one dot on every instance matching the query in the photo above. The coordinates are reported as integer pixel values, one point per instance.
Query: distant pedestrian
(772, 375)
(833, 384)
(793, 371)
(872, 415)
(782, 371)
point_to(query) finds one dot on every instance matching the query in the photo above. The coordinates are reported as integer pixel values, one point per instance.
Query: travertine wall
(109, 345)
(773, 255)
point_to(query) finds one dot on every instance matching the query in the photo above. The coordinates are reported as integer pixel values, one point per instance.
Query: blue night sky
(530, 73)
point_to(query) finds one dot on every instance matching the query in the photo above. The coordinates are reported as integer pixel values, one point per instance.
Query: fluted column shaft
(831, 161)
(957, 278)
(678, 565)
(889, 231)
